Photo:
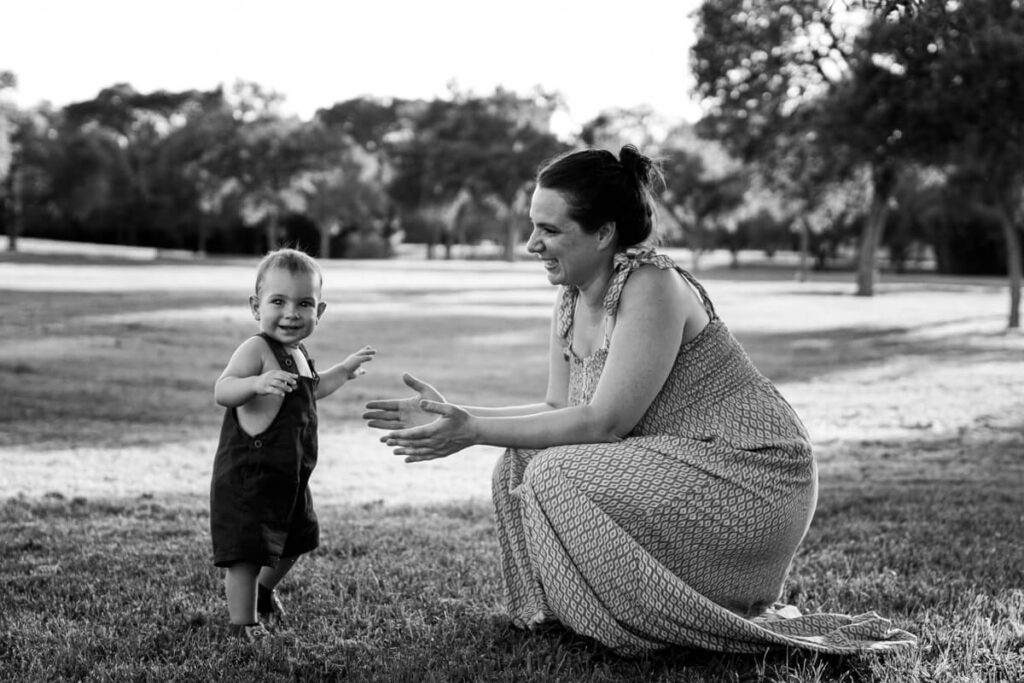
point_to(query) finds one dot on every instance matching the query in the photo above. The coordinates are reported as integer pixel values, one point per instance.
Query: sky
(598, 54)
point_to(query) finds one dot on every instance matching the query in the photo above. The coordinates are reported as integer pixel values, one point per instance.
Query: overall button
(257, 444)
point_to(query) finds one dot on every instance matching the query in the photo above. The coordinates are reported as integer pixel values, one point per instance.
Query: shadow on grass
(808, 355)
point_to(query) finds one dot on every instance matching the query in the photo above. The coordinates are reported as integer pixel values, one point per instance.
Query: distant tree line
(841, 130)
(225, 172)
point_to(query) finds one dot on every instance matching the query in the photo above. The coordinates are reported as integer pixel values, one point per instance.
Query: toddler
(261, 510)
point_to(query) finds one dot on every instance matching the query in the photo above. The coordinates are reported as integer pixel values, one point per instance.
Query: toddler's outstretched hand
(277, 382)
(353, 365)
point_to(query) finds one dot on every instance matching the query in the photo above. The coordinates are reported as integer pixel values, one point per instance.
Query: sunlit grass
(124, 590)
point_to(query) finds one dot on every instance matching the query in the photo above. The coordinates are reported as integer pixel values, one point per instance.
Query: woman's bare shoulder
(657, 286)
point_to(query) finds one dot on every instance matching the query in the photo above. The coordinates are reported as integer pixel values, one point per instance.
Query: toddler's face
(288, 307)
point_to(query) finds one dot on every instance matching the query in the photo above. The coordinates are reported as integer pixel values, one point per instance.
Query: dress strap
(629, 260)
(566, 307)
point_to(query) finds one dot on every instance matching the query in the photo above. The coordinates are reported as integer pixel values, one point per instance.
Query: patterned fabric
(683, 532)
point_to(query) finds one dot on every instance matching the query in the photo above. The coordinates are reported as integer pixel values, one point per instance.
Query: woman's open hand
(450, 432)
(403, 413)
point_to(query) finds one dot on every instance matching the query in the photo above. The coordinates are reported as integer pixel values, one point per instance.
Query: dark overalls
(260, 506)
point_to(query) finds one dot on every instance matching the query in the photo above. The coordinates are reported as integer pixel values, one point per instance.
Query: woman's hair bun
(600, 188)
(638, 165)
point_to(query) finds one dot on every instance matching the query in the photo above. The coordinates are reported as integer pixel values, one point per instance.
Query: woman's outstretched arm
(655, 308)
(557, 395)
(402, 413)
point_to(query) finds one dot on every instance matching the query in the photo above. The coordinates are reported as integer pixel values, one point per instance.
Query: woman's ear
(254, 304)
(606, 236)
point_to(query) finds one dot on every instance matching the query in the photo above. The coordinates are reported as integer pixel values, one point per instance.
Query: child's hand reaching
(277, 382)
(353, 365)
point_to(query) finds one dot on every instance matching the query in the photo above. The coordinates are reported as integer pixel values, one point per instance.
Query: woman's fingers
(421, 387)
(438, 408)
(385, 424)
(385, 404)
(422, 458)
(416, 455)
(379, 414)
(415, 451)
(413, 383)
(421, 442)
(420, 434)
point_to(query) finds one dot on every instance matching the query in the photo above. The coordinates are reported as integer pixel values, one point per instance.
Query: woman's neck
(592, 293)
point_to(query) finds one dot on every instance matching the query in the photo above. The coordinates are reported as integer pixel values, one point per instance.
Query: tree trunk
(511, 237)
(388, 231)
(13, 226)
(1013, 266)
(270, 234)
(882, 177)
(202, 235)
(325, 241)
(805, 250)
(17, 214)
(867, 258)
(696, 242)
(12, 233)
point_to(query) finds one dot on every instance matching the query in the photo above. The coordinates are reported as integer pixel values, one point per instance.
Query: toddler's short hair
(292, 260)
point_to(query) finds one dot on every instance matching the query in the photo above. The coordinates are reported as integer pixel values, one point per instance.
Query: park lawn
(917, 418)
(123, 590)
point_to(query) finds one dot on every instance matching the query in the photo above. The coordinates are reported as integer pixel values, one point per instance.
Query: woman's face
(570, 255)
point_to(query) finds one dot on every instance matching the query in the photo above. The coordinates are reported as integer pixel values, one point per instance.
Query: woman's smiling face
(571, 256)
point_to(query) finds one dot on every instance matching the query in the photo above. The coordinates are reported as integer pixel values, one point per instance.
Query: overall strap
(309, 362)
(284, 358)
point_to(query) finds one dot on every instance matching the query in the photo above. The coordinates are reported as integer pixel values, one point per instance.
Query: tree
(703, 183)
(944, 79)
(613, 128)
(344, 198)
(7, 81)
(373, 125)
(258, 160)
(136, 124)
(763, 68)
(196, 152)
(486, 148)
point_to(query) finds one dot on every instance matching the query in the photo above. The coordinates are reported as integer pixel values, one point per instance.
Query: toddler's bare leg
(240, 588)
(271, 576)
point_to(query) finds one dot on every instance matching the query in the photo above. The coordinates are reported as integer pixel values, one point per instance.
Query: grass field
(913, 398)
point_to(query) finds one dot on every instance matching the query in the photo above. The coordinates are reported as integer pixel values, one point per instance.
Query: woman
(659, 492)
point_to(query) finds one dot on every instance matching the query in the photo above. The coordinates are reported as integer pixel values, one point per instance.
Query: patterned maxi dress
(683, 532)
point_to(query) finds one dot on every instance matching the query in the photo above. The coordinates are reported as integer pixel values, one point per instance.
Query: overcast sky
(597, 53)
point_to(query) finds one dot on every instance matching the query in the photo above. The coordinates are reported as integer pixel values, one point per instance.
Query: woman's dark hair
(600, 188)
